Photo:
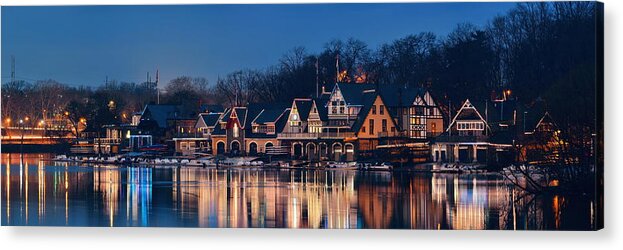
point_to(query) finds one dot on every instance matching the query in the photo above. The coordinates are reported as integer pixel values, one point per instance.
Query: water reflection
(42, 193)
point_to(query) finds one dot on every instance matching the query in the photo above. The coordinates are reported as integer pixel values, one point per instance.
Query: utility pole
(317, 77)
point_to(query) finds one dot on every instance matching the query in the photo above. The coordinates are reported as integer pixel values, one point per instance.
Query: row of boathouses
(351, 122)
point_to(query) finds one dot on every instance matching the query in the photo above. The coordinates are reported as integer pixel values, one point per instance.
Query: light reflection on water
(58, 194)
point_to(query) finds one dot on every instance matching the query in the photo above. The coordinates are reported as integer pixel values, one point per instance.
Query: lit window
(235, 130)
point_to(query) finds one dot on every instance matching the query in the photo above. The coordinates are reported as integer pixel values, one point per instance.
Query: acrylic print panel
(446, 116)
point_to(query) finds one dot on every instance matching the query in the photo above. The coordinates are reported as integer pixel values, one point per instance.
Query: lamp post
(524, 121)
(21, 130)
(8, 125)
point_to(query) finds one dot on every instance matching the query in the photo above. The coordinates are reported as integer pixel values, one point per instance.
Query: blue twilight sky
(81, 45)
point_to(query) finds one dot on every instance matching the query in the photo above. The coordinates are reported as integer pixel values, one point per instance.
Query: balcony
(107, 141)
(313, 136)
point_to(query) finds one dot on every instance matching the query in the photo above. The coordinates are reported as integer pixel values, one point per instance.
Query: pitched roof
(210, 119)
(352, 92)
(469, 111)
(368, 101)
(397, 96)
(283, 119)
(270, 113)
(322, 109)
(241, 113)
(160, 113)
(303, 106)
(533, 115)
(224, 118)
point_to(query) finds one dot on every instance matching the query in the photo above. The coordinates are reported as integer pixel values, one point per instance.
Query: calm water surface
(57, 194)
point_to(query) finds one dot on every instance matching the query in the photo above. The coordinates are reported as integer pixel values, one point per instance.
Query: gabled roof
(241, 113)
(368, 99)
(223, 118)
(303, 106)
(534, 113)
(160, 113)
(397, 96)
(282, 120)
(269, 113)
(468, 111)
(322, 109)
(352, 92)
(210, 119)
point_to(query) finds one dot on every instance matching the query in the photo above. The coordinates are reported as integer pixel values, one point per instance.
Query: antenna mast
(317, 77)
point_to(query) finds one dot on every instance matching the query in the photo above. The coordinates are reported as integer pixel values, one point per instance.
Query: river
(40, 193)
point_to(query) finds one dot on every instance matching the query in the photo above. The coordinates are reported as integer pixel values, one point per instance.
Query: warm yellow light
(66, 113)
(8, 120)
(83, 120)
(508, 92)
(26, 118)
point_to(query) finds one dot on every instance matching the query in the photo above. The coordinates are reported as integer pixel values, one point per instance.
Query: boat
(383, 166)
(341, 165)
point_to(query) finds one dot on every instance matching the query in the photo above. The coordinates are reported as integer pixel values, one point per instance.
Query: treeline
(541, 51)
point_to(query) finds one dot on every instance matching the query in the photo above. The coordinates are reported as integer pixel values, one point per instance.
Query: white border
(179, 238)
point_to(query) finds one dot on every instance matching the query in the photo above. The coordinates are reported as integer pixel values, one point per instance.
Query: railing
(324, 135)
(393, 134)
(459, 138)
(188, 135)
(107, 141)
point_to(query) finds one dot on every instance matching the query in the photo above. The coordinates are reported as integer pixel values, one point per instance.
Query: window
(363, 129)
(382, 109)
(235, 130)
(374, 109)
(384, 125)
(371, 127)
(341, 110)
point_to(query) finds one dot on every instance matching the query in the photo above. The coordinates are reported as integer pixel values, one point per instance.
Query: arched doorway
(298, 150)
(235, 148)
(350, 152)
(323, 151)
(337, 152)
(268, 147)
(253, 148)
(220, 148)
(312, 155)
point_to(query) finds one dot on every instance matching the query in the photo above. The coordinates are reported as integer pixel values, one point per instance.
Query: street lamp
(21, 131)
(8, 124)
